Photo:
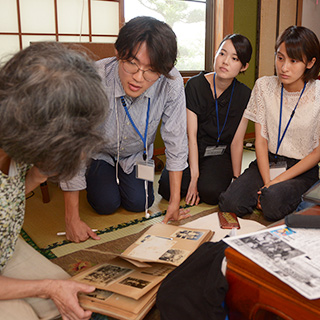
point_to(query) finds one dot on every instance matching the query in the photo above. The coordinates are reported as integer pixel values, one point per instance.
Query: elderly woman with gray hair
(51, 104)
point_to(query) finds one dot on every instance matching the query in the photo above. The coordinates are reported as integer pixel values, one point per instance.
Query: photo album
(168, 244)
(126, 286)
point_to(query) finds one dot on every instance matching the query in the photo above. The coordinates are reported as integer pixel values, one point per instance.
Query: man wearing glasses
(143, 88)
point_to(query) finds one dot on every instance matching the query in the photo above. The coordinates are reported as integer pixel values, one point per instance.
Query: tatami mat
(44, 220)
(117, 234)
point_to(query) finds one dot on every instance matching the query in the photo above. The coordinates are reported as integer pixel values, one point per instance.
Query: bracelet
(234, 177)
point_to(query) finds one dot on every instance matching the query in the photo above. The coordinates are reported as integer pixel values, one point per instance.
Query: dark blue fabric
(306, 204)
(106, 196)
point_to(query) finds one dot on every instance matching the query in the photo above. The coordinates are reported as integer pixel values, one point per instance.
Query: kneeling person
(143, 88)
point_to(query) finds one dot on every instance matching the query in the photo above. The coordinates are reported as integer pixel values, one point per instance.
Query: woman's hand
(192, 197)
(64, 294)
(267, 185)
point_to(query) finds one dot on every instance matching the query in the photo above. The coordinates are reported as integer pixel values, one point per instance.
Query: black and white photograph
(100, 294)
(271, 246)
(188, 234)
(106, 274)
(290, 254)
(135, 282)
(158, 270)
(174, 255)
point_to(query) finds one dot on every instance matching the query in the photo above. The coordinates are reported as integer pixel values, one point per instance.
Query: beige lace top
(12, 209)
(303, 132)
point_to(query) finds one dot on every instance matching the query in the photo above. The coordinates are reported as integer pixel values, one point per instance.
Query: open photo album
(126, 286)
(167, 244)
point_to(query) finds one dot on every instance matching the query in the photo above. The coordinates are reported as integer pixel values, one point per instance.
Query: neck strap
(217, 109)
(143, 138)
(280, 138)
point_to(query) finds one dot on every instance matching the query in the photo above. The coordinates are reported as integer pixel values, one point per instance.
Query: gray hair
(51, 103)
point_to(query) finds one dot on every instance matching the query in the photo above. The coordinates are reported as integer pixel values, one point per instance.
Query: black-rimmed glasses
(132, 68)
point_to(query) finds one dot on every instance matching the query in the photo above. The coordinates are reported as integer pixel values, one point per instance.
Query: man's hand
(64, 295)
(78, 231)
(175, 213)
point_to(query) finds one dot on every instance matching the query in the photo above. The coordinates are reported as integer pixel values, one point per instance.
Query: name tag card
(145, 170)
(215, 151)
(276, 168)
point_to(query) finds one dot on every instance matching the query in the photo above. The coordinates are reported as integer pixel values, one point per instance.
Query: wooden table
(256, 294)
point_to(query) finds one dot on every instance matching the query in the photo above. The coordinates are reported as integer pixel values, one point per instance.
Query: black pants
(277, 201)
(215, 175)
(196, 289)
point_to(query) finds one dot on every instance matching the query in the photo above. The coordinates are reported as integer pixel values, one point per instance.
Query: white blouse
(303, 133)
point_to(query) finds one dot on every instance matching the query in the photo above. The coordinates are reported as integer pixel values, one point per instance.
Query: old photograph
(188, 234)
(135, 282)
(158, 270)
(174, 255)
(99, 294)
(106, 274)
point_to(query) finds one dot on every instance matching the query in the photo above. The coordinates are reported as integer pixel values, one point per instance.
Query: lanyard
(144, 139)
(291, 116)
(217, 110)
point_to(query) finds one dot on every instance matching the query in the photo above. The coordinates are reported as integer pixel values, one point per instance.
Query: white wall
(38, 16)
(311, 16)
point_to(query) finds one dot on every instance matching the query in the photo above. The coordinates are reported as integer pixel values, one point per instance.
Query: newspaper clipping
(292, 255)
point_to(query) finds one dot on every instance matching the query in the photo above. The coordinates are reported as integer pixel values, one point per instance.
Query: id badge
(276, 168)
(215, 150)
(145, 170)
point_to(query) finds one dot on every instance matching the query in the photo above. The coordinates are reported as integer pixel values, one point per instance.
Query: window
(25, 21)
(193, 21)
(186, 18)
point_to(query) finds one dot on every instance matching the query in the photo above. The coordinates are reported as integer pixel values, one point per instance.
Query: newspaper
(290, 254)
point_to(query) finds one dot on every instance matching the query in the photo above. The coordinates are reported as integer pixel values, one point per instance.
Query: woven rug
(43, 221)
(87, 257)
(102, 252)
(113, 242)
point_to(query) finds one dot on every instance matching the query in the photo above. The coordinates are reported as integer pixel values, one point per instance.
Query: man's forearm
(71, 205)
(175, 178)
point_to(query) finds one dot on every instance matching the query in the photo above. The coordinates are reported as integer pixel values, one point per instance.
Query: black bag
(196, 289)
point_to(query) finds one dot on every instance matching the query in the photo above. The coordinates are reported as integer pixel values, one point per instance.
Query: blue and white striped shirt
(167, 104)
